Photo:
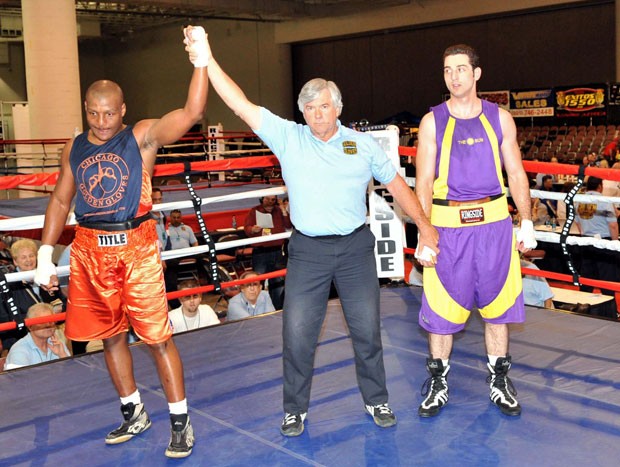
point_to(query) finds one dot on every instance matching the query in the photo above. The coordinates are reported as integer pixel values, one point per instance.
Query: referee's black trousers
(313, 263)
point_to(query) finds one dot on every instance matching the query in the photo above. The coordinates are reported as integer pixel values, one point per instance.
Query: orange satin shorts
(117, 280)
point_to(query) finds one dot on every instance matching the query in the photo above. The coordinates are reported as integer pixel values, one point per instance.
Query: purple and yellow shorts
(477, 267)
(116, 281)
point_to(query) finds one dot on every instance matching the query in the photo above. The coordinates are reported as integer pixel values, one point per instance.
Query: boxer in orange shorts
(116, 271)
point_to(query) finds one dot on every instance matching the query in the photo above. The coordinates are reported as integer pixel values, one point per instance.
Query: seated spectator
(25, 294)
(598, 219)
(160, 219)
(536, 290)
(192, 314)
(540, 215)
(179, 236)
(6, 261)
(251, 301)
(268, 218)
(612, 188)
(562, 209)
(550, 205)
(41, 344)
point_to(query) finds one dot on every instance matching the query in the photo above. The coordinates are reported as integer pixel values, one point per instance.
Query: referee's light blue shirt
(326, 181)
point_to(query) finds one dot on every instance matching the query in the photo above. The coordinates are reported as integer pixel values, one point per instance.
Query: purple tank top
(473, 148)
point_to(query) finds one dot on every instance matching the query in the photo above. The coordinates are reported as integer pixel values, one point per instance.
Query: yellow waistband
(469, 215)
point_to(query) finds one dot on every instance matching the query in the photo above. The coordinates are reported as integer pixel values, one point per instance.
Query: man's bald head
(104, 88)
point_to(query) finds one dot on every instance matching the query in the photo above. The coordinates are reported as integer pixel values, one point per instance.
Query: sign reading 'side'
(385, 218)
(388, 230)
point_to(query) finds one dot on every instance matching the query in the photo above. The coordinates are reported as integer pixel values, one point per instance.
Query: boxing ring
(566, 368)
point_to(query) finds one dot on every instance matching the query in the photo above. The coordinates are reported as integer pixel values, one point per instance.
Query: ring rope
(36, 222)
(7, 326)
(570, 218)
(197, 204)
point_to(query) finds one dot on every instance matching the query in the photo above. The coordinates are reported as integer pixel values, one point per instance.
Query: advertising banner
(614, 95)
(532, 103)
(501, 98)
(581, 101)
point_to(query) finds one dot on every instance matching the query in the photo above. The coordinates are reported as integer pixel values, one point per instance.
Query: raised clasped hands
(196, 44)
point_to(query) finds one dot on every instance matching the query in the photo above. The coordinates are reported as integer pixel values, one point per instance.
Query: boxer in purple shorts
(464, 145)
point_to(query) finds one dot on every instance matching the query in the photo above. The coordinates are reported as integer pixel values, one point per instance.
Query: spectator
(265, 219)
(612, 187)
(25, 294)
(536, 290)
(562, 208)
(285, 206)
(192, 314)
(41, 344)
(6, 261)
(592, 159)
(170, 277)
(179, 236)
(160, 219)
(549, 205)
(540, 215)
(598, 219)
(251, 301)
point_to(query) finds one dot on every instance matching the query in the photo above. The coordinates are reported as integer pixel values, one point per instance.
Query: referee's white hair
(313, 88)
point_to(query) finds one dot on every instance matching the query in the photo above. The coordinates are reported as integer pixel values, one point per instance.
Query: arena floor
(565, 367)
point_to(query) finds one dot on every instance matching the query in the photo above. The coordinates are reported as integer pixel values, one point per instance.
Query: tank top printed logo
(102, 179)
(471, 141)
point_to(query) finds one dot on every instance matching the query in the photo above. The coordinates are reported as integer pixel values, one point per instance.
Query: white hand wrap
(526, 234)
(45, 266)
(199, 53)
(426, 254)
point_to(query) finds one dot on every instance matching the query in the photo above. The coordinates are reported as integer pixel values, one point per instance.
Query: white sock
(134, 398)
(178, 408)
(445, 362)
(493, 359)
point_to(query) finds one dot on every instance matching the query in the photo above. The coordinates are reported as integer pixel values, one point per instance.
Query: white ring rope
(36, 222)
(62, 271)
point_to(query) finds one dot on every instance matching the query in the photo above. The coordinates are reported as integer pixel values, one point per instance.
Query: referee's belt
(117, 226)
(451, 213)
(331, 237)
